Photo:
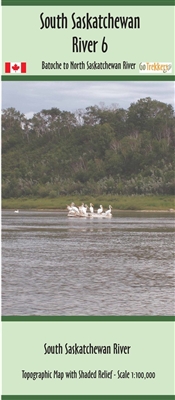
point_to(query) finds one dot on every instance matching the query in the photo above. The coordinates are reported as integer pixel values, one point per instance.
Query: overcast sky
(32, 97)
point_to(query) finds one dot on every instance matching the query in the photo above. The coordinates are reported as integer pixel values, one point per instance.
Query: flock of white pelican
(85, 211)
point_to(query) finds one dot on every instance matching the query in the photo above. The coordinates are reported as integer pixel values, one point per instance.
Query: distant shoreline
(119, 203)
(114, 210)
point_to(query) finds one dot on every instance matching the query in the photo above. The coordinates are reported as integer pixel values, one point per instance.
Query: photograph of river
(106, 142)
(56, 265)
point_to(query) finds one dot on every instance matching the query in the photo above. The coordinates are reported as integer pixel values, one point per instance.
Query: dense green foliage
(93, 152)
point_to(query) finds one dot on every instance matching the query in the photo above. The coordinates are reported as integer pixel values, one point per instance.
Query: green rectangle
(100, 358)
(167, 78)
(88, 2)
(111, 41)
(84, 397)
(35, 318)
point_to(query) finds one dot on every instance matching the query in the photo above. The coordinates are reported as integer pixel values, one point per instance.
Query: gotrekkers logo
(155, 67)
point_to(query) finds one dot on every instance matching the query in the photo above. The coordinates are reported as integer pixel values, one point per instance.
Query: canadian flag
(15, 67)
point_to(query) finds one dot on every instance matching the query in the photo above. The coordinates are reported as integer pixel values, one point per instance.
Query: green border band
(156, 318)
(88, 2)
(87, 78)
(89, 397)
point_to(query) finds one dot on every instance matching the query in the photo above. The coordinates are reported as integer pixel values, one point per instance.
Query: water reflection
(55, 265)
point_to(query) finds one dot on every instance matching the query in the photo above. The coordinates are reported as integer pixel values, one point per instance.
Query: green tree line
(99, 150)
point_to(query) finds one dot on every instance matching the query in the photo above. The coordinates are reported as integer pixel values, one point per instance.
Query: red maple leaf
(15, 67)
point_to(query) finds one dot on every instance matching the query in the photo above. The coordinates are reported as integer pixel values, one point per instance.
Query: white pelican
(71, 213)
(16, 211)
(81, 207)
(84, 209)
(74, 208)
(91, 208)
(100, 210)
(108, 212)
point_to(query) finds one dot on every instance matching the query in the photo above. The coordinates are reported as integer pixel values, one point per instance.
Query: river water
(56, 265)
